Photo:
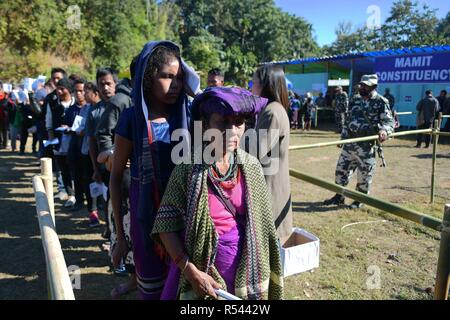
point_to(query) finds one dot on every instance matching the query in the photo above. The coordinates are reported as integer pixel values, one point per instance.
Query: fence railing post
(435, 137)
(47, 179)
(59, 284)
(316, 118)
(443, 269)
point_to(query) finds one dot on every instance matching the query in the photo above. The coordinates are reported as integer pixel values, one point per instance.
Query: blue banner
(423, 68)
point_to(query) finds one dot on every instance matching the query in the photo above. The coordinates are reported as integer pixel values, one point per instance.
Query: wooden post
(443, 269)
(57, 273)
(47, 179)
(316, 118)
(435, 137)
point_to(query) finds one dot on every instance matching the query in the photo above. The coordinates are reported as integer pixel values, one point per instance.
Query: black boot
(356, 205)
(336, 200)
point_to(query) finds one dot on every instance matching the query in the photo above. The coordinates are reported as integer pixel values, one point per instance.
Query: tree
(241, 65)
(443, 29)
(252, 31)
(205, 52)
(351, 40)
(408, 25)
(232, 34)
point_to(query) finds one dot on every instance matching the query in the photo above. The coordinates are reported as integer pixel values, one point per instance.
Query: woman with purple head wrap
(215, 219)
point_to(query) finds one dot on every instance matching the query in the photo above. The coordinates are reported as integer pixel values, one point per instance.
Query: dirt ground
(404, 253)
(22, 269)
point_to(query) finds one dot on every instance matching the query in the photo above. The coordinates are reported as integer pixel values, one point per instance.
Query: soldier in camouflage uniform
(341, 107)
(355, 93)
(369, 114)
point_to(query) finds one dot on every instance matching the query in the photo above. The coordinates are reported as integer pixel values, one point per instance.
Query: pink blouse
(222, 218)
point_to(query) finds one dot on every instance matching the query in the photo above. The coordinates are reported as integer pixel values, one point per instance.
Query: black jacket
(52, 97)
(6, 107)
(110, 117)
(429, 106)
(27, 115)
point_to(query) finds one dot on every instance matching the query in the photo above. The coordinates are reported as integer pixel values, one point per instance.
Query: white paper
(226, 295)
(41, 80)
(82, 125)
(22, 96)
(50, 142)
(95, 189)
(98, 189)
(28, 83)
(77, 123)
(7, 87)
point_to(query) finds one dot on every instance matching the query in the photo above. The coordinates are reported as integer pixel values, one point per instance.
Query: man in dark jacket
(51, 98)
(442, 100)
(56, 75)
(427, 109)
(119, 102)
(27, 123)
(108, 121)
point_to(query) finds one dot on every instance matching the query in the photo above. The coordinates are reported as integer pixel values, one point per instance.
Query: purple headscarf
(227, 101)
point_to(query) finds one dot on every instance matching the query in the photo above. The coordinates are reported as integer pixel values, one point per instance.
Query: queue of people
(179, 230)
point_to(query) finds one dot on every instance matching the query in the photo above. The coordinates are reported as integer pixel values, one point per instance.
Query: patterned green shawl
(185, 207)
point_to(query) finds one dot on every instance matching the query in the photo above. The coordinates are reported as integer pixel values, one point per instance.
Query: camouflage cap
(369, 80)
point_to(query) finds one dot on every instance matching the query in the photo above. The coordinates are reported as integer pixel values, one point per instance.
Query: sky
(326, 14)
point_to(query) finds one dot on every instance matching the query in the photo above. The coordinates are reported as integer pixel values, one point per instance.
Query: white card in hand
(226, 295)
(50, 142)
(76, 123)
(96, 189)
